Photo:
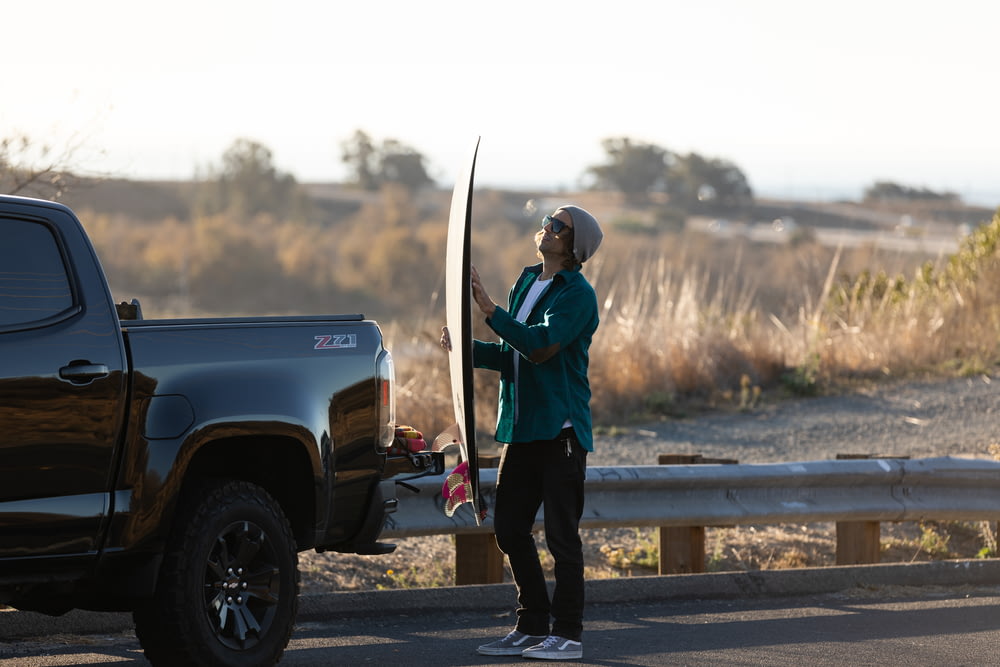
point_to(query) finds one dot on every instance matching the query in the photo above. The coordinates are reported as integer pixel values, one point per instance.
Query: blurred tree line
(247, 237)
(889, 191)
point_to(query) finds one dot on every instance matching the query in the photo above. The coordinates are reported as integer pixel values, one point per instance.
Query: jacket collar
(567, 274)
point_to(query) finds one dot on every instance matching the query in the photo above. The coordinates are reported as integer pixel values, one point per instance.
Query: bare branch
(36, 170)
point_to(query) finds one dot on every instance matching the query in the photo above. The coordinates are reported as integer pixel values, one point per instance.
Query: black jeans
(549, 472)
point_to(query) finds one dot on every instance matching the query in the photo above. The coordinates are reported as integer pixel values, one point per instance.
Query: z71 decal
(335, 341)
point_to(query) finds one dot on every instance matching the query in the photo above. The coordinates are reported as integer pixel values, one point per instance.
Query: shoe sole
(527, 642)
(568, 654)
(561, 656)
(499, 651)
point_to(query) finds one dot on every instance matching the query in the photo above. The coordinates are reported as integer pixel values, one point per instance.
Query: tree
(360, 155)
(403, 165)
(392, 162)
(695, 182)
(633, 168)
(247, 184)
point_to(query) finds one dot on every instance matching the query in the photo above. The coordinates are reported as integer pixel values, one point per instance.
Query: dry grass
(674, 338)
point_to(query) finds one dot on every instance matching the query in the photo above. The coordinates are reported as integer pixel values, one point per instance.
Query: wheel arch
(278, 464)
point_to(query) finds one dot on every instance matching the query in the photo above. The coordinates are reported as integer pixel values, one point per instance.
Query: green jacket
(554, 346)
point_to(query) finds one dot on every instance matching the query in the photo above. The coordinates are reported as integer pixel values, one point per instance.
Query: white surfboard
(458, 305)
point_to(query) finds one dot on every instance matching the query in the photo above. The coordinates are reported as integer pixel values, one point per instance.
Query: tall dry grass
(669, 333)
(674, 337)
(944, 319)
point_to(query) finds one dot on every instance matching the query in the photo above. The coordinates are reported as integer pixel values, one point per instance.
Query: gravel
(957, 417)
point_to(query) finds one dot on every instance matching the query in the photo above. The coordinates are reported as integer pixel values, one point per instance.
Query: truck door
(62, 374)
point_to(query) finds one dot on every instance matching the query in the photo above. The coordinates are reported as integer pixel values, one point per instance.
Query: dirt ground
(611, 553)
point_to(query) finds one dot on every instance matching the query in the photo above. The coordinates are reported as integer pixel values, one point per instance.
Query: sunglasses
(557, 224)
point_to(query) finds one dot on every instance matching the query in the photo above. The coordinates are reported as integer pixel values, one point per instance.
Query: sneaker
(555, 648)
(512, 644)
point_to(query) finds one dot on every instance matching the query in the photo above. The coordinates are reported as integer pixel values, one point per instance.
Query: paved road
(911, 627)
(870, 615)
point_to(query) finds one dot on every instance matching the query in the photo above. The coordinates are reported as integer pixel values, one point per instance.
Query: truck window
(33, 281)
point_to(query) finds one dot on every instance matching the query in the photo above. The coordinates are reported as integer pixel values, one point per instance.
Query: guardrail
(858, 494)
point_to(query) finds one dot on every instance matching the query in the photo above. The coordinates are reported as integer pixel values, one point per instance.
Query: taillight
(386, 379)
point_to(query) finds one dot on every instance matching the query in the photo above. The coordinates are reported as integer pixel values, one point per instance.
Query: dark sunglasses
(557, 224)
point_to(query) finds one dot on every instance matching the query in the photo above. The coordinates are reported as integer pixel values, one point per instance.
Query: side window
(34, 284)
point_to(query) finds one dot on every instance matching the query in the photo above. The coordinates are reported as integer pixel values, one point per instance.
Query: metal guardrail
(945, 488)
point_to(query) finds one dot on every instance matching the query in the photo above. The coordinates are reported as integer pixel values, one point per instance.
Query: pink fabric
(457, 488)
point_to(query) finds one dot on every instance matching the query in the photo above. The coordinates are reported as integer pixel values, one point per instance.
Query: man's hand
(445, 339)
(481, 297)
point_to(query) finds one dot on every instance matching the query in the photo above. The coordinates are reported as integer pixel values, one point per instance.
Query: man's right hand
(480, 296)
(445, 339)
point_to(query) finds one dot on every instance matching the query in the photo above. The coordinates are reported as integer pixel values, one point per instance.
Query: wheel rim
(242, 585)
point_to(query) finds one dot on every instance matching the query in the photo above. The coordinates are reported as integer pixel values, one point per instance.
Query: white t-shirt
(535, 293)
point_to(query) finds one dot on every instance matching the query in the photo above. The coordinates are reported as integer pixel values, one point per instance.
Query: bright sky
(808, 99)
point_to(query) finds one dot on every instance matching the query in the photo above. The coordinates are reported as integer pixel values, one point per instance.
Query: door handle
(82, 373)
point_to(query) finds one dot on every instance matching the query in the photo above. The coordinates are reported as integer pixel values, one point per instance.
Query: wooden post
(682, 548)
(860, 542)
(477, 558)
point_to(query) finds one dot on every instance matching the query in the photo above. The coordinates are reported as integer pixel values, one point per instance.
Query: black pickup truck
(175, 468)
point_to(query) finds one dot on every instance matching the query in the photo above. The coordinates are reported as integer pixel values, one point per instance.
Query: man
(544, 420)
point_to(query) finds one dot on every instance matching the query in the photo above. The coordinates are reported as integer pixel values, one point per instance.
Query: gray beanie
(587, 234)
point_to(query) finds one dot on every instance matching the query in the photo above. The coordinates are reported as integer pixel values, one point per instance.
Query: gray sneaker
(555, 648)
(512, 644)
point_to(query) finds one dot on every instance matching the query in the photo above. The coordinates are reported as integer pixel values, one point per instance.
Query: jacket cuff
(499, 320)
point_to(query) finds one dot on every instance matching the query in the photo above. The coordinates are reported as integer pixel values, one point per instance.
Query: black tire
(228, 589)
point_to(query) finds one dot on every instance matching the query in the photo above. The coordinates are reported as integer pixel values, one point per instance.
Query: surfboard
(458, 307)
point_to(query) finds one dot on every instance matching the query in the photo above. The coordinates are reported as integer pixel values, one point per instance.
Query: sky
(808, 99)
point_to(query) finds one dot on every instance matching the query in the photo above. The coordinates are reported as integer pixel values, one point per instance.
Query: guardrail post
(682, 548)
(477, 558)
(860, 542)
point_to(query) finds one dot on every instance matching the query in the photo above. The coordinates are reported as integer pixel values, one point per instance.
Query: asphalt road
(910, 628)
(881, 618)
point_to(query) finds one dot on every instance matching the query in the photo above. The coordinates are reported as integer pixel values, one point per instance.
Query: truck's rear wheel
(228, 589)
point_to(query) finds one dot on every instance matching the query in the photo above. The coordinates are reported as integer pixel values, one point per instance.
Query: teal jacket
(554, 345)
